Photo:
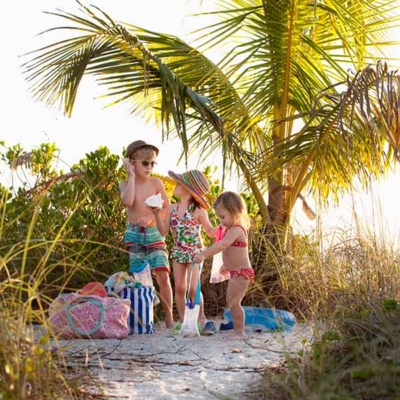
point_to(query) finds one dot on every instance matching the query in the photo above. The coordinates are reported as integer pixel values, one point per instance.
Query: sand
(163, 366)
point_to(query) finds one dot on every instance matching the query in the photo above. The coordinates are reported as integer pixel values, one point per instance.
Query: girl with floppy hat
(185, 220)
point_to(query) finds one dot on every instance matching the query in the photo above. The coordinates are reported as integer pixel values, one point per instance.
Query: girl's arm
(231, 235)
(163, 218)
(163, 224)
(206, 224)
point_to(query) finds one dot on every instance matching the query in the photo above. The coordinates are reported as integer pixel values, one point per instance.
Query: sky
(30, 123)
(92, 124)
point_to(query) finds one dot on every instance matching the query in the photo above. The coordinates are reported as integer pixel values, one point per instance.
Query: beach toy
(260, 318)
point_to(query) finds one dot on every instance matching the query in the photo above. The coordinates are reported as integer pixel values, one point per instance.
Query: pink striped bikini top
(237, 243)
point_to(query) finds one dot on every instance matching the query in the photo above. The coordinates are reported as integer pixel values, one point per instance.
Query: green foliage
(58, 231)
(365, 361)
(73, 220)
(391, 305)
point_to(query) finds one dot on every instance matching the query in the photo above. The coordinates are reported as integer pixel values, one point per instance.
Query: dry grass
(351, 293)
(30, 367)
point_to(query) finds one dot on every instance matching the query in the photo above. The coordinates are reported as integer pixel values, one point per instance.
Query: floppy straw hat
(194, 181)
(138, 144)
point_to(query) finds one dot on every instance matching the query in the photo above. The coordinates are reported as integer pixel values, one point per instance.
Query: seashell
(155, 201)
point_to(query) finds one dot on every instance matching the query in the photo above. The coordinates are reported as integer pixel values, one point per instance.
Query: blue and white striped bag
(141, 316)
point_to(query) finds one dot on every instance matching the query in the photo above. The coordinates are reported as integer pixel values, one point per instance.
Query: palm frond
(113, 55)
(284, 61)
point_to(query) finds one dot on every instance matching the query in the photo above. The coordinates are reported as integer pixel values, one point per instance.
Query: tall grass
(33, 271)
(350, 295)
(355, 355)
(29, 366)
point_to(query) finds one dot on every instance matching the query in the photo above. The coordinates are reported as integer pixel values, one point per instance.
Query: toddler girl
(231, 211)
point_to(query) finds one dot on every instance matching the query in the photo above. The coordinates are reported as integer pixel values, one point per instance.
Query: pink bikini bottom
(247, 273)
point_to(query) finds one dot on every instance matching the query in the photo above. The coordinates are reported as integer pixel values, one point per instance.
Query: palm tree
(286, 60)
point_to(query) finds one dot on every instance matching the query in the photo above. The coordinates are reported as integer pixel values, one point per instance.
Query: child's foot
(177, 328)
(236, 336)
(202, 322)
(209, 329)
(226, 327)
(170, 324)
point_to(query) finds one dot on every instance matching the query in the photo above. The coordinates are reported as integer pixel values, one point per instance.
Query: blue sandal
(226, 327)
(209, 329)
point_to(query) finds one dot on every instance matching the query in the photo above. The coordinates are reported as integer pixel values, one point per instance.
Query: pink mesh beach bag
(89, 316)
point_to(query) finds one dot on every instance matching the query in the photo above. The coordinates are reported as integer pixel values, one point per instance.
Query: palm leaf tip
(310, 214)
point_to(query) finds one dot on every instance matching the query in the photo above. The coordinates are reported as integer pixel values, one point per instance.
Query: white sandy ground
(161, 366)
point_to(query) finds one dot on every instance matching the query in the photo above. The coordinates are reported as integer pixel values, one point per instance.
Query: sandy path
(162, 366)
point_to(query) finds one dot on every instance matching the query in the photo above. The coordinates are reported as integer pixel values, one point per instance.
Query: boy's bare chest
(142, 192)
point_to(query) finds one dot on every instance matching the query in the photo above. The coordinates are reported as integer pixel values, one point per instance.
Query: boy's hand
(198, 258)
(145, 221)
(129, 167)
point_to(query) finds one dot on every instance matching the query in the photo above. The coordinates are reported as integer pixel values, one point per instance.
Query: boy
(142, 236)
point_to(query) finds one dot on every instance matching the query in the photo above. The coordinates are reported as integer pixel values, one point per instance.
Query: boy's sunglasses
(146, 163)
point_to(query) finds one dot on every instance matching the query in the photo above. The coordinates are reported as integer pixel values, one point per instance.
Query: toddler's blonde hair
(235, 205)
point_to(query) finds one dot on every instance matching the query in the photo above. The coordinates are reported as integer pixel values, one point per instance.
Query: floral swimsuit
(186, 233)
